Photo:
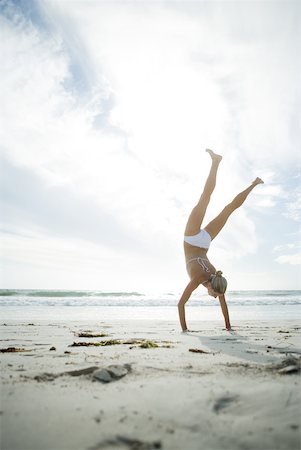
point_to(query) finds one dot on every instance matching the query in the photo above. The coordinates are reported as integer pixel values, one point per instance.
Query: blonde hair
(218, 283)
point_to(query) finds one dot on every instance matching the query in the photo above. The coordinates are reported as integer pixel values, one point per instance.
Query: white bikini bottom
(202, 239)
(201, 262)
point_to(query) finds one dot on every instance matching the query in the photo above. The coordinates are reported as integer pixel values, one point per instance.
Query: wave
(126, 300)
(50, 293)
(263, 293)
(87, 299)
(94, 293)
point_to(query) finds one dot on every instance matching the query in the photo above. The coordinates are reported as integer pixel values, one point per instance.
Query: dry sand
(243, 393)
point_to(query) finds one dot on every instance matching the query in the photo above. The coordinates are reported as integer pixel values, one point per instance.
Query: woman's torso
(200, 266)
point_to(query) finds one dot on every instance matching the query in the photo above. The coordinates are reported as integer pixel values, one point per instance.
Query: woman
(197, 242)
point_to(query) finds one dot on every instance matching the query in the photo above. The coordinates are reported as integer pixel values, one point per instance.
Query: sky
(107, 108)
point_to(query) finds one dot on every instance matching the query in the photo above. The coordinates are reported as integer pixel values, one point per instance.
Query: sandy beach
(146, 385)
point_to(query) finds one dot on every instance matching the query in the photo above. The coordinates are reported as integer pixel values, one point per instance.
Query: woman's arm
(191, 286)
(224, 307)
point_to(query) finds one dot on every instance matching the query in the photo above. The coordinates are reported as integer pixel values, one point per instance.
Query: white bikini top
(202, 239)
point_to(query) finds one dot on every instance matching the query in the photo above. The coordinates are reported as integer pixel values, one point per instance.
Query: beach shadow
(239, 346)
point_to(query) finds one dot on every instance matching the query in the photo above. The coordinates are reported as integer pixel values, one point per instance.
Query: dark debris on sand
(105, 374)
(198, 350)
(111, 373)
(287, 366)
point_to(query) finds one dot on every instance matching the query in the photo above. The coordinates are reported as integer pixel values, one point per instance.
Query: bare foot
(258, 181)
(214, 156)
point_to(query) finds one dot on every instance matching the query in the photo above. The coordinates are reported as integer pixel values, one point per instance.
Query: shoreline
(229, 393)
(151, 313)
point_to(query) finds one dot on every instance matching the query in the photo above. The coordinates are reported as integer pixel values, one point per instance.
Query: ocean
(64, 305)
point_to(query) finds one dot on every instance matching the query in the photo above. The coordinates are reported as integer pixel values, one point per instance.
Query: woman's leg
(215, 226)
(197, 214)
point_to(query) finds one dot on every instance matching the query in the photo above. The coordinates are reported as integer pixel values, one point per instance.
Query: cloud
(107, 111)
(293, 207)
(30, 202)
(280, 248)
(290, 259)
(176, 87)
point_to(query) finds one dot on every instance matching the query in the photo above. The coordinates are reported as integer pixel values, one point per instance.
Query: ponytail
(218, 282)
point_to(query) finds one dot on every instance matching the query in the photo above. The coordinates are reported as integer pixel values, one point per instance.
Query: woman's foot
(257, 181)
(214, 156)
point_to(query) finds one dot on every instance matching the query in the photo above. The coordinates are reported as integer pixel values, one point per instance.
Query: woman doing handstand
(197, 242)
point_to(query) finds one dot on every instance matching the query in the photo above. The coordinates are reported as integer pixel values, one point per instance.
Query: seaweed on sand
(91, 334)
(14, 349)
(148, 344)
(96, 344)
(142, 343)
(197, 350)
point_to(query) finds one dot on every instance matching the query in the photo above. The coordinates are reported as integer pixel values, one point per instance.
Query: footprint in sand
(123, 442)
(223, 402)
